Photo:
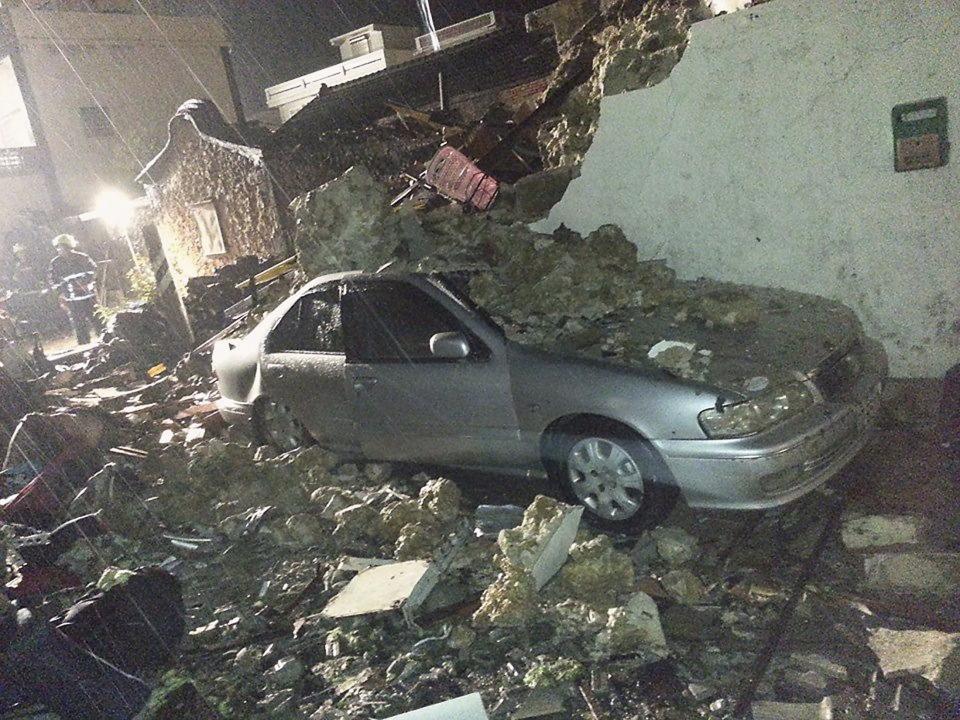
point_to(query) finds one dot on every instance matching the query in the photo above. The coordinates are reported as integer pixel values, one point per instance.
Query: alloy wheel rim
(605, 478)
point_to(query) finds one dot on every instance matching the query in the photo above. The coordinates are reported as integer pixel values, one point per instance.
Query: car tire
(274, 424)
(614, 473)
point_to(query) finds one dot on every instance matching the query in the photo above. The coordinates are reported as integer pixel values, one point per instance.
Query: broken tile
(880, 530)
(468, 707)
(934, 574)
(384, 588)
(768, 710)
(931, 654)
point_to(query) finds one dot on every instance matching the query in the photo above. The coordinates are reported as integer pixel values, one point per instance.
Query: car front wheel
(275, 424)
(615, 475)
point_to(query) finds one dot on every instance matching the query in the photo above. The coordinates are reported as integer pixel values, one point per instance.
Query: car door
(411, 405)
(304, 368)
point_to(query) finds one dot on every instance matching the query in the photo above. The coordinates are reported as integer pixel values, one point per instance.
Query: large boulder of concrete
(346, 224)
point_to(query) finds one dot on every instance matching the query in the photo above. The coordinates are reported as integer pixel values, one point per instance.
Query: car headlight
(753, 416)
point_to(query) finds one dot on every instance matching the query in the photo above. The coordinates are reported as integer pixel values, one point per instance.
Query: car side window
(312, 325)
(393, 321)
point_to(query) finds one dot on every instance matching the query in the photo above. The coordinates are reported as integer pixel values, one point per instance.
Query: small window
(96, 122)
(208, 226)
(312, 325)
(392, 321)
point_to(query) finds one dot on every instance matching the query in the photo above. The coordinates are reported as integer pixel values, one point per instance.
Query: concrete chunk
(468, 707)
(542, 541)
(633, 628)
(880, 530)
(932, 574)
(768, 710)
(931, 654)
(397, 586)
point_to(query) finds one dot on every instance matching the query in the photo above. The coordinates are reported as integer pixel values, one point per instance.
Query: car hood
(744, 338)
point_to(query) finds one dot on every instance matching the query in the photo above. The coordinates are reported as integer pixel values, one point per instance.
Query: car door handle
(363, 383)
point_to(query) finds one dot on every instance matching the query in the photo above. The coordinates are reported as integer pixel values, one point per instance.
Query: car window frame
(296, 306)
(480, 351)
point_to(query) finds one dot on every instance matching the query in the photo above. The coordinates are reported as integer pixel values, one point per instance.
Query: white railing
(459, 32)
(17, 161)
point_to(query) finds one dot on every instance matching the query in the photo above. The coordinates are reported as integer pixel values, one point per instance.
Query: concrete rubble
(542, 542)
(935, 574)
(928, 653)
(323, 587)
(870, 531)
(766, 710)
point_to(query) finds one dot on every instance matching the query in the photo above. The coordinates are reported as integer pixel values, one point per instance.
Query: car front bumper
(781, 464)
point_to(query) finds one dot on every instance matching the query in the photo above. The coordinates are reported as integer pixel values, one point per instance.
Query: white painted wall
(766, 158)
(140, 72)
(15, 130)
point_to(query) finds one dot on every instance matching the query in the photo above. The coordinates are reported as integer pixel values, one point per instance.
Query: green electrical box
(920, 135)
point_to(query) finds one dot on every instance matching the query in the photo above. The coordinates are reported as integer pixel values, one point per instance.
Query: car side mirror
(449, 346)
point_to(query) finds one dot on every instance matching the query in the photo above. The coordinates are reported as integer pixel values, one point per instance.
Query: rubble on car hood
(564, 292)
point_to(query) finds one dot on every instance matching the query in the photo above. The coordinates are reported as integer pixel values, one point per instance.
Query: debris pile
(592, 295)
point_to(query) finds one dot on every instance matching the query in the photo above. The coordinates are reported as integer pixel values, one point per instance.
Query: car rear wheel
(614, 474)
(275, 424)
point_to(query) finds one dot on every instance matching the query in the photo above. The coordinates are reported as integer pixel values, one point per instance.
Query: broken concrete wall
(766, 157)
(616, 46)
(250, 216)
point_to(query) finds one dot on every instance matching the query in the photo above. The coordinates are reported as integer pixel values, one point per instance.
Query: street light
(115, 209)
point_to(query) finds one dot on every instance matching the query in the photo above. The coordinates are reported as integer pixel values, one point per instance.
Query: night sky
(276, 40)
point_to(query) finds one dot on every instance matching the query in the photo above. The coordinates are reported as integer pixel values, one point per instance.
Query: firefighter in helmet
(72, 275)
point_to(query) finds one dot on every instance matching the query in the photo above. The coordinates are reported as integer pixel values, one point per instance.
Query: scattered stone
(880, 530)
(285, 673)
(768, 710)
(933, 574)
(491, 519)
(684, 587)
(672, 545)
(442, 498)
(633, 628)
(542, 541)
(931, 654)
(542, 704)
(547, 673)
(511, 600)
(360, 520)
(418, 540)
(596, 573)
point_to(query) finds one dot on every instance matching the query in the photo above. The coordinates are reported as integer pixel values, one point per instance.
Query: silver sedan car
(405, 368)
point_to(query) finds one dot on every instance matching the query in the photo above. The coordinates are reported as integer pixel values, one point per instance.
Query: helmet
(65, 241)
